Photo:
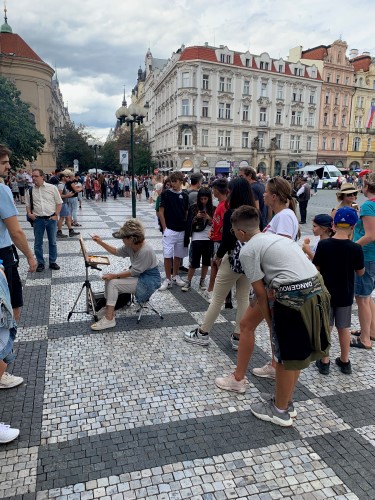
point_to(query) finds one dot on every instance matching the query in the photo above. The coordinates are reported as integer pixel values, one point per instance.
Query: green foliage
(143, 163)
(17, 127)
(72, 145)
(109, 157)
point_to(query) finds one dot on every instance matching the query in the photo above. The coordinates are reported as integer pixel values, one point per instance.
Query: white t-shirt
(275, 259)
(284, 223)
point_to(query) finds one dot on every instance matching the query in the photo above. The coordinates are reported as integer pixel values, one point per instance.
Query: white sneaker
(202, 285)
(266, 371)
(166, 284)
(234, 342)
(7, 434)
(229, 383)
(186, 286)
(103, 324)
(176, 280)
(101, 313)
(195, 337)
(8, 381)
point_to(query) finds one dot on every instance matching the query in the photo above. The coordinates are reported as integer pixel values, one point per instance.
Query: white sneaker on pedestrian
(267, 411)
(166, 284)
(186, 286)
(176, 280)
(103, 324)
(195, 337)
(229, 383)
(234, 342)
(8, 381)
(266, 371)
(202, 285)
(7, 434)
(266, 397)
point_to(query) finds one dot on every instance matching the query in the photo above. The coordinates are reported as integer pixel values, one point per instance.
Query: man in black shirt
(258, 190)
(174, 205)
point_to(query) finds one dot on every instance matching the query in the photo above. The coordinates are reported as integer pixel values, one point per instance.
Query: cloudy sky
(98, 46)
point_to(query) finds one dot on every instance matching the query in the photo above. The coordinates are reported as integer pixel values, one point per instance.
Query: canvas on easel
(93, 260)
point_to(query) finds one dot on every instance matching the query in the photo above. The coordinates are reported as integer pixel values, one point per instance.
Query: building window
(299, 118)
(185, 107)
(356, 144)
(246, 87)
(333, 143)
(229, 85)
(312, 97)
(220, 138)
(281, 68)
(293, 118)
(298, 142)
(278, 141)
(247, 63)
(205, 82)
(328, 78)
(342, 141)
(292, 142)
(229, 60)
(245, 139)
(337, 78)
(264, 65)
(228, 133)
(227, 111)
(308, 143)
(326, 101)
(343, 121)
(298, 72)
(325, 119)
(263, 89)
(222, 84)
(310, 121)
(187, 138)
(336, 99)
(222, 58)
(205, 109)
(261, 140)
(278, 116)
(204, 137)
(334, 120)
(245, 112)
(347, 80)
(358, 121)
(263, 115)
(186, 79)
(345, 100)
(324, 143)
(280, 91)
(294, 95)
(368, 144)
(221, 110)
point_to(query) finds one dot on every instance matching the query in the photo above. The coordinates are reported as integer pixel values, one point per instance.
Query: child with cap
(337, 259)
(322, 226)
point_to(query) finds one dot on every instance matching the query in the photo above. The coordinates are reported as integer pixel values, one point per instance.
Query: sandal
(357, 333)
(357, 343)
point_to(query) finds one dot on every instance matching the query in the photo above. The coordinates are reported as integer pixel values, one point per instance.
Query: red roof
(10, 43)
(209, 54)
(361, 62)
(318, 53)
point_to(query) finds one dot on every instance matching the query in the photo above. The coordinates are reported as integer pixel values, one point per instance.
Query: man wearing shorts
(174, 205)
(299, 322)
(11, 232)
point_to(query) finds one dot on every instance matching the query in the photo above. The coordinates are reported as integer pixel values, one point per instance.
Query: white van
(328, 174)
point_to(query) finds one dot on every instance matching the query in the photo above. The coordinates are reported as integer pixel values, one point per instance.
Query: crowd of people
(245, 230)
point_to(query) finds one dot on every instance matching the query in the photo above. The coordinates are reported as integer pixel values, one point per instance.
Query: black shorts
(21, 190)
(9, 257)
(201, 249)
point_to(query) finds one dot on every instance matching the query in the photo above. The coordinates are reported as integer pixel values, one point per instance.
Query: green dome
(5, 28)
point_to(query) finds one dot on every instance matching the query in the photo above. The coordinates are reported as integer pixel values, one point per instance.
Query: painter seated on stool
(141, 279)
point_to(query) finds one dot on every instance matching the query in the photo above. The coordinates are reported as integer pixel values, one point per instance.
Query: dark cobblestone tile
(358, 410)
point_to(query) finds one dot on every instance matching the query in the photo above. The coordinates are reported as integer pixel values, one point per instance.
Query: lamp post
(96, 148)
(130, 116)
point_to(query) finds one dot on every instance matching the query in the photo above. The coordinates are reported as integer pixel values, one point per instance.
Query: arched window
(356, 143)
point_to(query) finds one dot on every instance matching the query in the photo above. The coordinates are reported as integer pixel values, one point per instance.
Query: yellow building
(361, 144)
(33, 78)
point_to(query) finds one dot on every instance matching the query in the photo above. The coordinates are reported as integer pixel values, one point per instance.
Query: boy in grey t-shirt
(281, 276)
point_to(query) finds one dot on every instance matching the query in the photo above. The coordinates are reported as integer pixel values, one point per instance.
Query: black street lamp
(131, 115)
(96, 148)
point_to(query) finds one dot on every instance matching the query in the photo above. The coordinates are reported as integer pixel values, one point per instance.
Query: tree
(72, 145)
(143, 163)
(17, 126)
(109, 157)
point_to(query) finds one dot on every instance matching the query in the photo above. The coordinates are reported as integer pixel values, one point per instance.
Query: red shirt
(217, 222)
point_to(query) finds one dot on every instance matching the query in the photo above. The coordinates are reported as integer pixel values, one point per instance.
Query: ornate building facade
(33, 78)
(361, 143)
(336, 99)
(213, 109)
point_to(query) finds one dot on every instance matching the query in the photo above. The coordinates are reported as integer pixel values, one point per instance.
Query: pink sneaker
(229, 383)
(266, 371)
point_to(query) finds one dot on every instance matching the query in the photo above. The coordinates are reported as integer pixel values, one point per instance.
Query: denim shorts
(65, 210)
(7, 337)
(365, 285)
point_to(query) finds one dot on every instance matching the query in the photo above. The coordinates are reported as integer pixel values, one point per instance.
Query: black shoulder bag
(31, 221)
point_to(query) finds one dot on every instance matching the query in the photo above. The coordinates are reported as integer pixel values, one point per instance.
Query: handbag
(31, 221)
(234, 258)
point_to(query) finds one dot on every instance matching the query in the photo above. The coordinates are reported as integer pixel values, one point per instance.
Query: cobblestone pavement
(133, 412)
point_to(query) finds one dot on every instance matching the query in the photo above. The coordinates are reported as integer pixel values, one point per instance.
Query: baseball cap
(346, 215)
(323, 220)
